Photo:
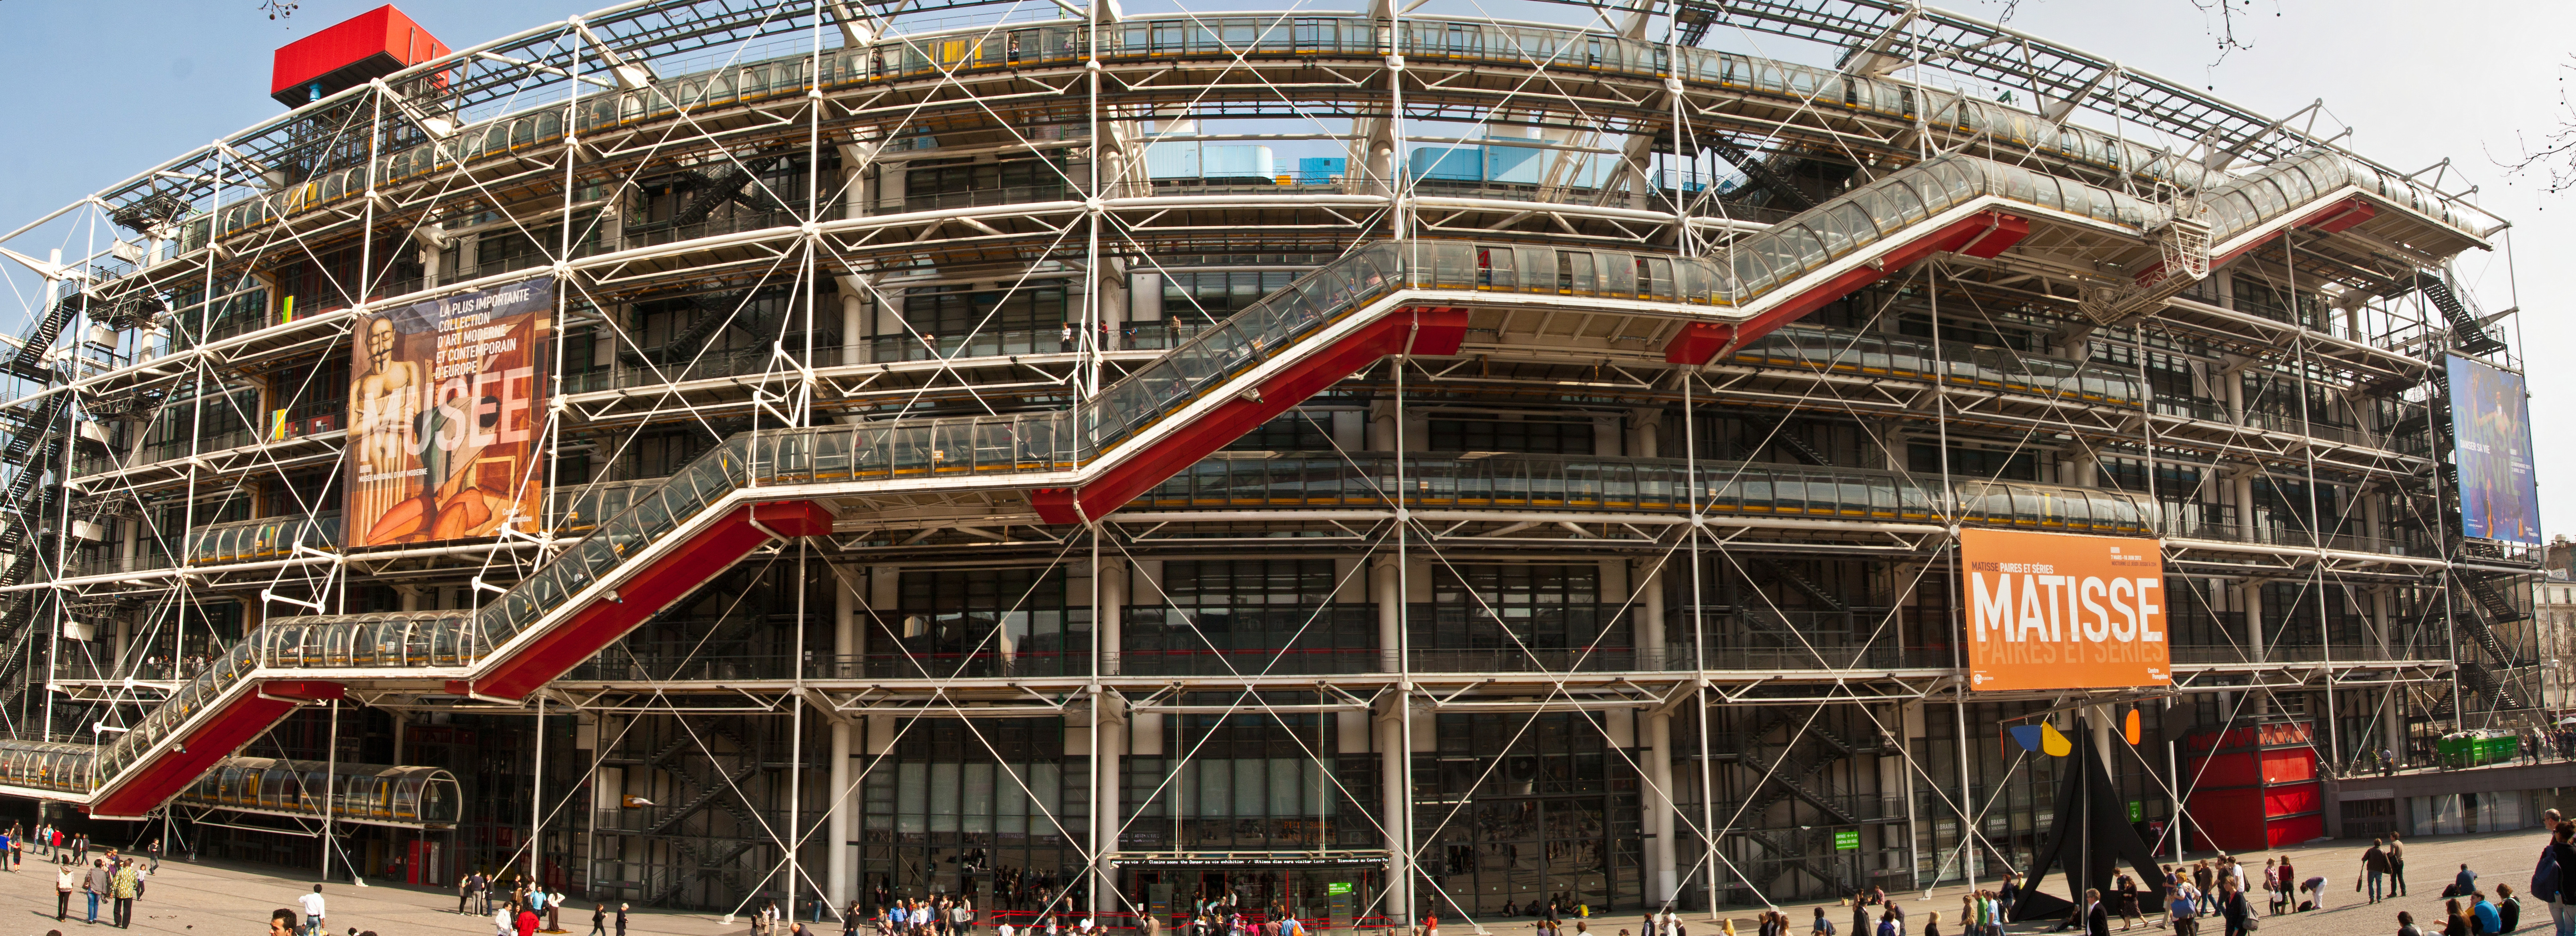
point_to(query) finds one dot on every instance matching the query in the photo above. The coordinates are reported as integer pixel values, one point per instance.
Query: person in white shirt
(313, 910)
(504, 923)
(1002, 930)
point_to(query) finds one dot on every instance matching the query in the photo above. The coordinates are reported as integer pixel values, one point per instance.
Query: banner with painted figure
(446, 404)
(2064, 611)
(2491, 441)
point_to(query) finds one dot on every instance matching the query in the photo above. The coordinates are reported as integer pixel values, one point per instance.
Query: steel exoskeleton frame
(264, 210)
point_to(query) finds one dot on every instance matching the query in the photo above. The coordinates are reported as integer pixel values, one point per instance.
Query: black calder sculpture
(2089, 836)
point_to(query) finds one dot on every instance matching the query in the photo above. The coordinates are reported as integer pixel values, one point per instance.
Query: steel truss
(793, 197)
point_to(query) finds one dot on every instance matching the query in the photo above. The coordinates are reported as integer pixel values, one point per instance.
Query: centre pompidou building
(1377, 463)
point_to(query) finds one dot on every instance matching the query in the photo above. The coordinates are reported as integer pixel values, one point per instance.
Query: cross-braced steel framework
(977, 464)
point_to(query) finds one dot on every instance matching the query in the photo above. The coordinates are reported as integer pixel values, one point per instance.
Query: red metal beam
(1985, 235)
(1436, 332)
(180, 765)
(646, 593)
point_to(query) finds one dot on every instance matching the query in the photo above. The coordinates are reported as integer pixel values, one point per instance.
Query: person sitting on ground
(2508, 909)
(2483, 916)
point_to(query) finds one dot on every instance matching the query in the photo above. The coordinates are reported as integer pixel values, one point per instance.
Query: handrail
(1054, 444)
(1954, 118)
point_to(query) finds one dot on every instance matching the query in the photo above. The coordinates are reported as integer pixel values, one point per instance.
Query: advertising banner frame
(2059, 611)
(447, 408)
(2491, 446)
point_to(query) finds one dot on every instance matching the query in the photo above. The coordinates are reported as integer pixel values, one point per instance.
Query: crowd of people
(518, 906)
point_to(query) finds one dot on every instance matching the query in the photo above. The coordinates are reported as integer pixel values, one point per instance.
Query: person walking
(599, 919)
(124, 887)
(2549, 881)
(313, 911)
(2396, 866)
(2374, 864)
(527, 921)
(65, 878)
(95, 882)
(621, 920)
(504, 922)
(2233, 908)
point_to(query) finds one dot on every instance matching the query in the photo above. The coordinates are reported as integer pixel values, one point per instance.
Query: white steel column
(2392, 713)
(1109, 721)
(1650, 621)
(1662, 866)
(837, 864)
(2252, 594)
(1111, 616)
(853, 324)
(1393, 798)
(1389, 596)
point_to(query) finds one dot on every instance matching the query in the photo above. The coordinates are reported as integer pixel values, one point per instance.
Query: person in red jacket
(527, 921)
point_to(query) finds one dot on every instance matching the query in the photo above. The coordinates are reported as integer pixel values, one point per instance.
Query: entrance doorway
(1321, 895)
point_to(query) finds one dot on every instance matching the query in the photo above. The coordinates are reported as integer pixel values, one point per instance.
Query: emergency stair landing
(1402, 298)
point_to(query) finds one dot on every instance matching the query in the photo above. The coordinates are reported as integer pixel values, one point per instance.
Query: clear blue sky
(99, 91)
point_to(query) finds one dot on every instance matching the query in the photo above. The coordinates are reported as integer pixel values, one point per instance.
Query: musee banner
(445, 407)
(2064, 611)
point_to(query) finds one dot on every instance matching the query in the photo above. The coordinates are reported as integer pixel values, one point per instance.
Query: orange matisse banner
(2061, 611)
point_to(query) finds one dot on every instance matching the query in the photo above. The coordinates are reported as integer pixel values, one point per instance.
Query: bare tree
(277, 9)
(2551, 158)
(2223, 18)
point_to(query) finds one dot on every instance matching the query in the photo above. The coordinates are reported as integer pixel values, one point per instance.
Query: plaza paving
(216, 898)
(2499, 858)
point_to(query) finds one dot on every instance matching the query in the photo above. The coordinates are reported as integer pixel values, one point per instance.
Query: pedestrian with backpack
(2549, 878)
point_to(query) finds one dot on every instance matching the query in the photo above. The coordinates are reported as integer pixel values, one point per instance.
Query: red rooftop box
(352, 52)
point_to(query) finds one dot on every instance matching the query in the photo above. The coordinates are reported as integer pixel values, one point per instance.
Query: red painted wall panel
(2289, 765)
(380, 31)
(2291, 800)
(2227, 820)
(2286, 832)
(2232, 769)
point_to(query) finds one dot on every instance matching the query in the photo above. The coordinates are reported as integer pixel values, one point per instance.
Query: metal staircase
(1785, 777)
(1786, 575)
(1762, 173)
(2183, 247)
(1379, 300)
(28, 361)
(2468, 335)
(725, 185)
(705, 854)
(716, 311)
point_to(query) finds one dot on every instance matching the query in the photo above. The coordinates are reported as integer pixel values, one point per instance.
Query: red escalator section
(1431, 331)
(1986, 236)
(647, 592)
(244, 719)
